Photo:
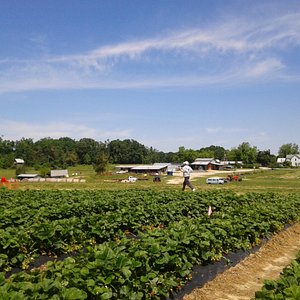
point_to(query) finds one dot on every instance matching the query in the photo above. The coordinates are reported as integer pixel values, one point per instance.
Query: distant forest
(64, 152)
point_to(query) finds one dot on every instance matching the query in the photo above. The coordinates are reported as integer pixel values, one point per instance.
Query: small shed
(19, 161)
(59, 173)
(28, 176)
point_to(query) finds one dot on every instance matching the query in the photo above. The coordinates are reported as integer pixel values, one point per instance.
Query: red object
(3, 179)
(235, 178)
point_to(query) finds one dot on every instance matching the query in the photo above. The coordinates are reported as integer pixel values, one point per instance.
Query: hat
(186, 162)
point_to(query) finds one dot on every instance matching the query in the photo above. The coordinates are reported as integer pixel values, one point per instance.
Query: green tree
(49, 152)
(126, 152)
(245, 153)
(101, 164)
(24, 149)
(216, 152)
(286, 149)
(186, 155)
(88, 150)
(265, 158)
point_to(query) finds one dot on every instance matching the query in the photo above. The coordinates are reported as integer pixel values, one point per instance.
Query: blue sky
(166, 73)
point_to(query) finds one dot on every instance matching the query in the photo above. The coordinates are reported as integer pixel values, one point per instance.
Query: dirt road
(242, 281)
(177, 176)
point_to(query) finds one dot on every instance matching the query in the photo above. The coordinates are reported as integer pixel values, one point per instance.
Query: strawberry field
(131, 244)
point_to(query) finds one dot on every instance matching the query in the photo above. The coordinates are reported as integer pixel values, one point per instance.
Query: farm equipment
(235, 177)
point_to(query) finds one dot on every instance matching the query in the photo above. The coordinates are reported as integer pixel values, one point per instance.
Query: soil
(244, 279)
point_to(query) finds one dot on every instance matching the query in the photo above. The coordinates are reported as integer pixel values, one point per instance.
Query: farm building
(59, 173)
(206, 164)
(28, 176)
(19, 161)
(124, 168)
(294, 159)
(280, 160)
(156, 168)
(231, 163)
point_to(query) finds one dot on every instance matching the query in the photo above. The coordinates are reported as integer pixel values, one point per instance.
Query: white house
(294, 159)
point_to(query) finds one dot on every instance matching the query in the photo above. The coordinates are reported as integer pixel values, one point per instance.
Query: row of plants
(151, 242)
(36, 223)
(57, 222)
(286, 287)
(150, 267)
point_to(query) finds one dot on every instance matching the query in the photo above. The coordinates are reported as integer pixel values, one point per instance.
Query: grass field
(277, 180)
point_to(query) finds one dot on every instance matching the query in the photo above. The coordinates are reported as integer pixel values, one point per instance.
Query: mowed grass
(277, 180)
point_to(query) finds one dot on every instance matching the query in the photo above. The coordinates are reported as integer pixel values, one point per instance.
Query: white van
(215, 180)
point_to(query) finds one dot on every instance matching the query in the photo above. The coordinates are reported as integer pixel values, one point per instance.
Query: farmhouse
(294, 159)
(59, 173)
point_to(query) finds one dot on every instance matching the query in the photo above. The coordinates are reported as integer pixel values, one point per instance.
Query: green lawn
(277, 180)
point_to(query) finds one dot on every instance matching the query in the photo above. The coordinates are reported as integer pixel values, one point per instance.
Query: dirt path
(242, 281)
(177, 179)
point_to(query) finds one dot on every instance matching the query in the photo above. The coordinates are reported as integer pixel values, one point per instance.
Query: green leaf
(90, 283)
(109, 279)
(2, 278)
(74, 294)
(84, 271)
(126, 271)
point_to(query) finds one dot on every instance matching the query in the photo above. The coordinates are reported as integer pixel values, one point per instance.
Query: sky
(166, 73)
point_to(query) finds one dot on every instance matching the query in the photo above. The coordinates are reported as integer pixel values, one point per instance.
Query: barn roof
(28, 175)
(19, 161)
(149, 167)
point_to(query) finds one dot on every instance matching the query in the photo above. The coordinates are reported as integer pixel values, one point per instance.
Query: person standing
(186, 171)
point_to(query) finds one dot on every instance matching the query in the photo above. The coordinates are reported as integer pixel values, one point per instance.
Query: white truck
(215, 180)
(130, 179)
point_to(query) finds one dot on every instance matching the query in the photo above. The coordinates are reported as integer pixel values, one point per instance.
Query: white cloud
(269, 66)
(244, 50)
(16, 130)
(218, 130)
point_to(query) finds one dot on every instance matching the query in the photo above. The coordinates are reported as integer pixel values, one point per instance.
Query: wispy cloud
(218, 130)
(244, 50)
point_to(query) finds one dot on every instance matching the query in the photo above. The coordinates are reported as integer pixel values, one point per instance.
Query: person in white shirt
(186, 171)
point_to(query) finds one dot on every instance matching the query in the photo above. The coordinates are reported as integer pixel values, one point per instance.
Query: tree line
(64, 152)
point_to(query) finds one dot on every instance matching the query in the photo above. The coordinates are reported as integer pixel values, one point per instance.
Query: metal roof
(19, 161)
(205, 162)
(27, 175)
(149, 167)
